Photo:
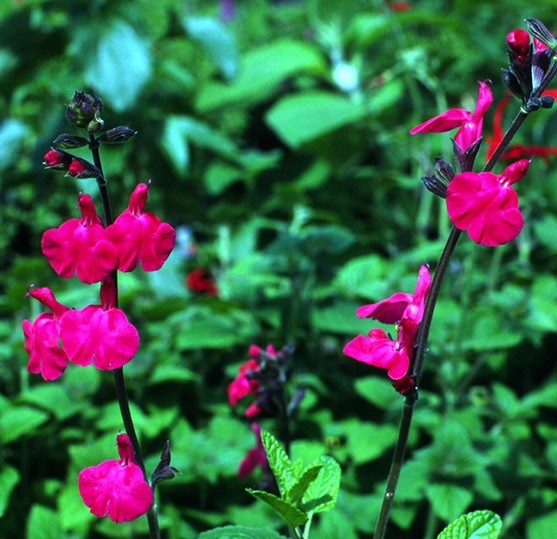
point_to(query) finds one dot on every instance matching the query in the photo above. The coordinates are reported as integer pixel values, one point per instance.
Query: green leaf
(9, 478)
(476, 525)
(378, 391)
(542, 526)
(120, 66)
(12, 136)
(299, 118)
(279, 462)
(448, 500)
(262, 69)
(294, 495)
(19, 421)
(289, 513)
(43, 523)
(322, 493)
(240, 532)
(55, 399)
(218, 41)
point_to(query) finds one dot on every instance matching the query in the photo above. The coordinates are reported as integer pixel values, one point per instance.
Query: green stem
(119, 380)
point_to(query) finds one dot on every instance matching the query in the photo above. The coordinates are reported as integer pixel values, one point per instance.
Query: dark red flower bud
(76, 168)
(57, 159)
(80, 168)
(518, 42)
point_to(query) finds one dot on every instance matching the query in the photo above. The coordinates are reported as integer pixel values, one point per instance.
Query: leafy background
(277, 142)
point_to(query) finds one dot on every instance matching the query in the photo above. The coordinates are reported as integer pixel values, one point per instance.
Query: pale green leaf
(43, 523)
(448, 500)
(288, 512)
(240, 532)
(321, 495)
(9, 478)
(279, 462)
(476, 525)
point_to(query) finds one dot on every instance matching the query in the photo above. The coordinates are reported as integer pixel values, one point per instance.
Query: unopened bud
(117, 135)
(69, 141)
(80, 168)
(84, 109)
(57, 159)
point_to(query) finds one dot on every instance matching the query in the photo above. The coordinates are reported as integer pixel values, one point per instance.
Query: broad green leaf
(476, 525)
(279, 462)
(448, 500)
(299, 118)
(9, 478)
(261, 70)
(301, 484)
(181, 131)
(366, 276)
(55, 399)
(321, 495)
(378, 391)
(120, 66)
(43, 523)
(339, 317)
(19, 421)
(541, 527)
(289, 513)
(240, 532)
(218, 41)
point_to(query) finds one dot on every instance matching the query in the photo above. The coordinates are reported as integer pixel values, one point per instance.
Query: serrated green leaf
(279, 462)
(300, 486)
(240, 532)
(299, 118)
(9, 478)
(321, 495)
(289, 513)
(475, 525)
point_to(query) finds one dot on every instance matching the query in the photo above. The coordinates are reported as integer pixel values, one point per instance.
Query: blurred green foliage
(277, 138)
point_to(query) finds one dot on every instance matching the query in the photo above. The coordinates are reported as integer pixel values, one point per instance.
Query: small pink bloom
(102, 337)
(379, 349)
(42, 337)
(486, 206)
(139, 236)
(256, 457)
(116, 488)
(80, 246)
(243, 385)
(518, 42)
(57, 159)
(470, 124)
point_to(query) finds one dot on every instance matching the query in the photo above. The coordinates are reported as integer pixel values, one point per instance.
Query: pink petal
(388, 311)
(448, 120)
(102, 337)
(41, 343)
(117, 490)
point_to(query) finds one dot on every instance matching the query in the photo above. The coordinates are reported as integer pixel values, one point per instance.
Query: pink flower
(141, 237)
(80, 246)
(470, 124)
(380, 350)
(243, 385)
(116, 488)
(102, 337)
(42, 337)
(256, 457)
(485, 204)
(518, 42)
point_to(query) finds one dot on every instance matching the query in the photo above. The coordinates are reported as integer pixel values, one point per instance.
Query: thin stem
(396, 466)
(119, 380)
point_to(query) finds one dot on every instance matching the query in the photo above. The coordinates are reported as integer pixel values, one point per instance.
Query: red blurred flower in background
(200, 281)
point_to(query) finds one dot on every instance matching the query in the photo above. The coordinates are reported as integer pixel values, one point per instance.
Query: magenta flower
(116, 488)
(80, 246)
(256, 457)
(470, 124)
(244, 385)
(485, 204)
(102, 337)
(141, 237)
(42, 337)
(378, 348)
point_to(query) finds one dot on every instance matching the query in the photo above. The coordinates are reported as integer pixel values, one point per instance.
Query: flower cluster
(115, 487)
(379, 349)
(484, 204)
(263, 375)
(98, 334)
(101, 334)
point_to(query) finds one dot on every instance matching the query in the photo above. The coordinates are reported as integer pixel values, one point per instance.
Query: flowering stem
(119, 381)
(423, 331)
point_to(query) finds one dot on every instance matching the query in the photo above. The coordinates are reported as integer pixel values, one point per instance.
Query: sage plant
(95, 249)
